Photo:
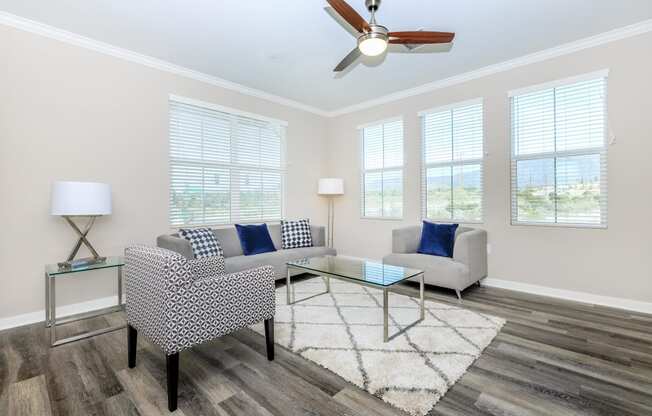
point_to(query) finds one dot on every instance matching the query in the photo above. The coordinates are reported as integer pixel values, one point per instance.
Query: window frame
(233, 115)
(452, 163)
(364, 171)
(602, 151)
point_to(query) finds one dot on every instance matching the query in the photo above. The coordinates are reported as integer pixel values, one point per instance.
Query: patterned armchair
(177, 303)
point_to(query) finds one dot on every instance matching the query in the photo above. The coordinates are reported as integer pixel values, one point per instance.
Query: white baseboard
(62, 311)
(583, 297)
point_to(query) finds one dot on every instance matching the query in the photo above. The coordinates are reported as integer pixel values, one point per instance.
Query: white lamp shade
(80, 198)
(331, 186)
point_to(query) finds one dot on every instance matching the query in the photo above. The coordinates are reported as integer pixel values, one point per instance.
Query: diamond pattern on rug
(342, 331)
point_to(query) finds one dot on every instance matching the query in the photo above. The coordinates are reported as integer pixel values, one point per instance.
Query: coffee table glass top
(364, 271)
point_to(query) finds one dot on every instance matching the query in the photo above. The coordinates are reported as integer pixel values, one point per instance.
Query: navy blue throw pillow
(254, 239)
(437, 239)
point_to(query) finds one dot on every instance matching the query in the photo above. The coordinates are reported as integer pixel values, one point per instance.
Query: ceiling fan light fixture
(372, 43)
(374, 39)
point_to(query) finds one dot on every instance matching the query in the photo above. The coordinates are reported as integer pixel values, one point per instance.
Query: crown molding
(42, 29)
(565, 49)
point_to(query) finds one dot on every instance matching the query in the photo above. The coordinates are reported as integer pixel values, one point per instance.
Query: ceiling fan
(374, 38)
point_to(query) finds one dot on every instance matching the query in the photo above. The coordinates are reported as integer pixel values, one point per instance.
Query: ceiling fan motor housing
(372, 5)
(375, 31)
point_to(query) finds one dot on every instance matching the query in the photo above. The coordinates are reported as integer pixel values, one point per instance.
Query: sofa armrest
(406, 239)
(318, 235)
(176, 244)
(151, 274)
(471, 250)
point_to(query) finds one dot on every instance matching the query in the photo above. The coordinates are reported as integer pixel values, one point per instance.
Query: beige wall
(613, 262)
(68, 113)
(73, 114)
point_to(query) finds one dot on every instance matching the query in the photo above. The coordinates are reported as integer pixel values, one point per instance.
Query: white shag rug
(343, 332)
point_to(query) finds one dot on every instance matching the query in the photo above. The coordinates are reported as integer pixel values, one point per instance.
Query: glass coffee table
(363, 272)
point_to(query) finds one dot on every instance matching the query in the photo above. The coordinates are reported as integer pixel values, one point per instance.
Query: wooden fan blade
(340, 21)
(420, 37)
(349, 14)
(348, 60)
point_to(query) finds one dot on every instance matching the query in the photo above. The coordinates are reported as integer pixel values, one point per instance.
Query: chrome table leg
(47, 300)
(53, 310)
(119, 285)
(421, 300)
(385, 315)
(287, 286)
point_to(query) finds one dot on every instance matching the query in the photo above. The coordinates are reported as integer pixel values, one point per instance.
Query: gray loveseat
(235, 261)
(467, 266)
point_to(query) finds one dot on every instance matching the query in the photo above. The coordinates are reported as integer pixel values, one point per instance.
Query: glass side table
(52, 273)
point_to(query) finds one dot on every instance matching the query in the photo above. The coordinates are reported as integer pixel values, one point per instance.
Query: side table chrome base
(54, 342)
(52, 322)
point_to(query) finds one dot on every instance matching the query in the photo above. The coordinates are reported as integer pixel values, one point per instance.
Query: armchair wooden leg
(173, 380)
(132, 340)
(269, 338)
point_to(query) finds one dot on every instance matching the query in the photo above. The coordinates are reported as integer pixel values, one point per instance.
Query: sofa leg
(172, 362)
(132, 340)
(459, 295)
(479, 282)
(269, 338)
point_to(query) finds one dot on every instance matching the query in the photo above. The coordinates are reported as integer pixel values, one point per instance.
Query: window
(382, 172)
(224, 168)
(452, 139)
(559, 156)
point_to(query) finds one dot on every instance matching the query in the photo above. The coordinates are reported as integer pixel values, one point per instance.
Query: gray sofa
(467, 266)
(236, 261)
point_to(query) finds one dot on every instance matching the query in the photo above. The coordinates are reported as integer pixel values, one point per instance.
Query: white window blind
(451, 183)
(559, 155)
(224, 168)
(382, 172)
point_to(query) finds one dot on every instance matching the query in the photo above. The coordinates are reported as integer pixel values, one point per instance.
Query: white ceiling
(289, 47)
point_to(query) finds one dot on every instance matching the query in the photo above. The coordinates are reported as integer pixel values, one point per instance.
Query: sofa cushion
(202, 241)
(277, 259)
(254, 239)
(229, 241)
(275, 233)
(437, 239)
(296, 234)
(438, 271)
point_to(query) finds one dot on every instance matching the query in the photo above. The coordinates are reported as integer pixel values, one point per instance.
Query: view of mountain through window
(452, 163)
(382, 176)
(559, 158)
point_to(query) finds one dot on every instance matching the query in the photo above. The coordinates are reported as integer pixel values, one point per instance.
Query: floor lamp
(330, 187)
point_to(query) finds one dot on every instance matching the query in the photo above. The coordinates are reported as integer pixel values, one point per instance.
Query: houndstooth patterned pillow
(295, 234)
(202, 241)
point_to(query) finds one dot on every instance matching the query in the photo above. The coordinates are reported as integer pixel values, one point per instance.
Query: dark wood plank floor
(552, 358)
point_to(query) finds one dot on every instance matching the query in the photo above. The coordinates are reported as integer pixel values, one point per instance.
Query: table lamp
(73, 200)
(330, 187)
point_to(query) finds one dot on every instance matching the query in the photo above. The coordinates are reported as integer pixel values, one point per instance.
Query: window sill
(382, 218)
(223, 225)
(557, 225)
(452, 221)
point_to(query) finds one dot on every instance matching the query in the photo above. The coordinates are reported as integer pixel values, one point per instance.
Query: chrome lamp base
(95, 258)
